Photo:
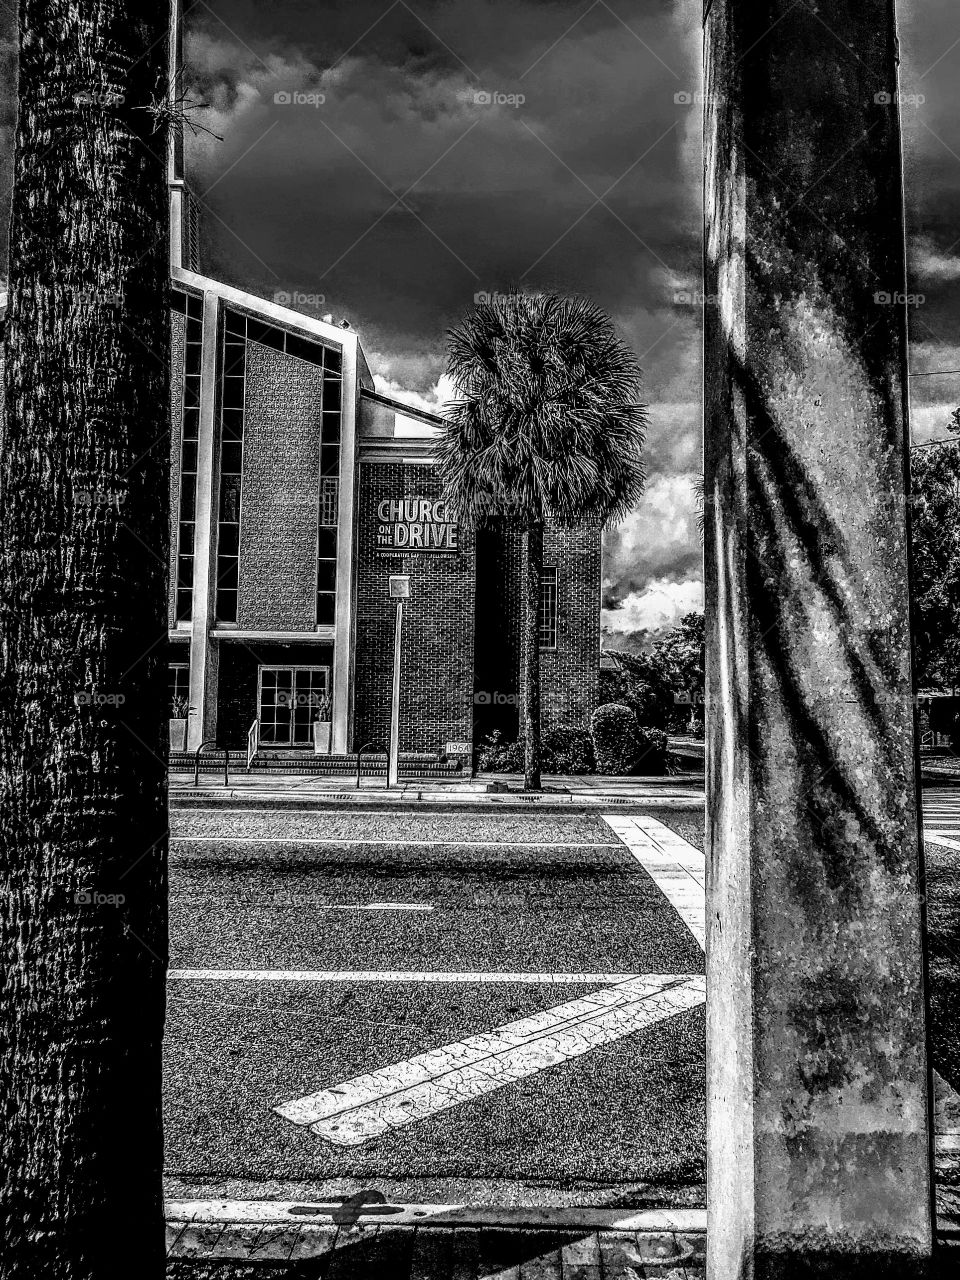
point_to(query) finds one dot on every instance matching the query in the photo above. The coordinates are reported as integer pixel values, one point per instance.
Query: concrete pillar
(204, 653)
(344, 647)
(819, 1159)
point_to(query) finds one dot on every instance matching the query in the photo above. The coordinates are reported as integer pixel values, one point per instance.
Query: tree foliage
(935, 527)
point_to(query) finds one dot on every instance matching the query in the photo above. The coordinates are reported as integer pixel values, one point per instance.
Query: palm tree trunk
(533, 548)
(83, 577)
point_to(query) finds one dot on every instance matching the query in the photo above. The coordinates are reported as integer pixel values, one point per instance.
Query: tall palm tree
(83, 579)
(547, 428)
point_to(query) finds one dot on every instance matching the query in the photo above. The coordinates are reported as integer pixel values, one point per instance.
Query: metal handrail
(366, 746)
(226, 762)
(253, 742)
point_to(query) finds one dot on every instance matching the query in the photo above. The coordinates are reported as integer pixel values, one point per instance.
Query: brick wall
(569, 674)
(279, 504)
(177, 356)
(437, 668)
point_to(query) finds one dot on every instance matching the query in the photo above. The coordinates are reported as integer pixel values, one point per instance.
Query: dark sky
(400, 196)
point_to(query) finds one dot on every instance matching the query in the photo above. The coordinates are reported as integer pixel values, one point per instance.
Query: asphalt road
(492, 894)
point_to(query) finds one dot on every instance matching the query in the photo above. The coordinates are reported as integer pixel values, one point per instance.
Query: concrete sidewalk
(500, 790)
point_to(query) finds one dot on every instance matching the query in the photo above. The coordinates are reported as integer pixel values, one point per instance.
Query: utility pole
(399, 591)
(818, 1135)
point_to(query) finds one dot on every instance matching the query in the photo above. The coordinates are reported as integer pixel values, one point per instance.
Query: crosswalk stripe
(675, 866)
(370, 1105)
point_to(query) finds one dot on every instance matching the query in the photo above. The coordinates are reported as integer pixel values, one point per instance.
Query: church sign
(406, 525)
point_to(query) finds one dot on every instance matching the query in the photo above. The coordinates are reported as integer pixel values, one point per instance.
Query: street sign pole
(393, 762)
(399, 591)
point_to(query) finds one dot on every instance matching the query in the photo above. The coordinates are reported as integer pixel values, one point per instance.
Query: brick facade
(280, 497)
(570, 673)
(438, 651)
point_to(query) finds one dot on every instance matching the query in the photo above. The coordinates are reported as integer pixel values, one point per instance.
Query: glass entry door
(289, 700)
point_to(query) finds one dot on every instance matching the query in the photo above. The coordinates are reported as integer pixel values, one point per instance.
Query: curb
(208, 797)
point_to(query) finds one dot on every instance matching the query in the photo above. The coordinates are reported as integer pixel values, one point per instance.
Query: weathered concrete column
(818, 1128)
(204, 654)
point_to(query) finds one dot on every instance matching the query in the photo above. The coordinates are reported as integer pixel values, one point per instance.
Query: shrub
(651, 759)
(615, 734)
(497, 756)
(565, 749)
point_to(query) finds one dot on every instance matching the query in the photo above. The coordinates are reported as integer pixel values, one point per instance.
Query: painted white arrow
(370, 1105)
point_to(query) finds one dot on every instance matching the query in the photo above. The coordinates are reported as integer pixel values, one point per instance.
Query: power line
(937, 373)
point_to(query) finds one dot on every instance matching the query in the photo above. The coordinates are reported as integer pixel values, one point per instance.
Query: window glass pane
(233, 393)
(235, 323)
(332, 359)
(228, 541)
(331, 428)
(194, 351)
(266, 334)
(326, 609)
(191, 424)
(326, 575)
(234, 360)
(304, 349)
(330, 460)
(188, 497)
(186, 538)
(191, 393)
(331, 394)
(233, 424)
(231, 457)
(227, 606)
(188, 463)
(327, 543)
(230, 498)
(548, 608)
(178, 302)
(228, 573)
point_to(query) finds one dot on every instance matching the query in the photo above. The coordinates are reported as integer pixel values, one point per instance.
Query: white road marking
(394, 975)
(675, 866)
(416, 844)
(368, 1106)
(373, 906)
(938, 837)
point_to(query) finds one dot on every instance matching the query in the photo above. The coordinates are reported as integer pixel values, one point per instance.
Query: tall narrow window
(178, 689)
(549, 594)
(231, 465)
(327, 546)
(191, 308)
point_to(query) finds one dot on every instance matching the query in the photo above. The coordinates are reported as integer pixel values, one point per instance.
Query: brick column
(818, 1092)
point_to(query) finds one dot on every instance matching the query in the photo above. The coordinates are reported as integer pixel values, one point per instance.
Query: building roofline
(409, 410)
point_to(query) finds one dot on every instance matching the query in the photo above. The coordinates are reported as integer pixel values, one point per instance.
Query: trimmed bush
(566, 749)
(615, 734)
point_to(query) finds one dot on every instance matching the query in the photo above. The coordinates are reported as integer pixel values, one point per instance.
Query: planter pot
(178, 735)
(321, 737)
